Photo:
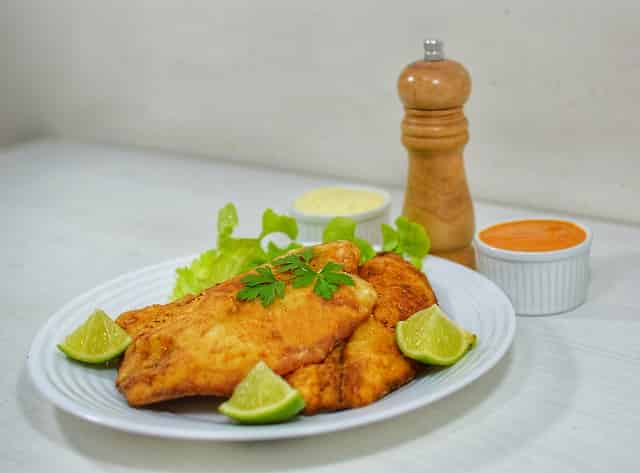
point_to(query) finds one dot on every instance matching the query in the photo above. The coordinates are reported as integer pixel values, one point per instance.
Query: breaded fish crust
(205, 345)
(369, 365)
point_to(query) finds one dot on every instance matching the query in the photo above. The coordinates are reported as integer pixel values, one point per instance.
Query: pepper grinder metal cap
(433, 50)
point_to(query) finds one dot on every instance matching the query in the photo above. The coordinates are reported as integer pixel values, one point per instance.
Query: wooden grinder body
(434, 131)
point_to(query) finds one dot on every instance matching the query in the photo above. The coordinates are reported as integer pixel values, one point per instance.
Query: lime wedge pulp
(262, 397)
(97, 340)
(430, 337)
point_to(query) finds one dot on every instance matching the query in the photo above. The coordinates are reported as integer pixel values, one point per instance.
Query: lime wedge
(430, 337)
(97, 340)
(262, 397)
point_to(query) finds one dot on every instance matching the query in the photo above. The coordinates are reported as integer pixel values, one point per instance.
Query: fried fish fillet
(369, 365)
(205, 345)
(148, 318)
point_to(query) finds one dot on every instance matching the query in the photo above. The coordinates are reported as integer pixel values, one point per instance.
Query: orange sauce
(533, 235)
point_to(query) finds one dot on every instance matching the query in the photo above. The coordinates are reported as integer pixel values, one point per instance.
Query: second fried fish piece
(369, 365)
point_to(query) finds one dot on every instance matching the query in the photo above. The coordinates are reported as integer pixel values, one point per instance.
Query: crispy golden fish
(369, 365)
(205, 345)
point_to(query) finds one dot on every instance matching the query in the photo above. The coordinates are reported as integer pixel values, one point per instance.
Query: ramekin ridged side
(539, 283)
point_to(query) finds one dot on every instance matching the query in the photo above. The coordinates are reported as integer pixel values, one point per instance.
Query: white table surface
(566, 398)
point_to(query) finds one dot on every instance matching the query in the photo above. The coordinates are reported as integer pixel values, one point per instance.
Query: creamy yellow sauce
(337, 201)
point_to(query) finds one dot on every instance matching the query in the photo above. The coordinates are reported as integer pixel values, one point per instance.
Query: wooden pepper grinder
(434, 131)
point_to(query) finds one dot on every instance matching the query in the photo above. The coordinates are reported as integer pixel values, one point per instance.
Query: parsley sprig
(295, 262)
(267, 287)
(329, 279)
(263, 285)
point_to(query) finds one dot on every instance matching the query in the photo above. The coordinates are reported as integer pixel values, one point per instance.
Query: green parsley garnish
(263, 285)
(298, 261)
(329, 278)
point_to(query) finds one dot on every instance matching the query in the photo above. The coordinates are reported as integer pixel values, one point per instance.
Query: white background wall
(311, 86)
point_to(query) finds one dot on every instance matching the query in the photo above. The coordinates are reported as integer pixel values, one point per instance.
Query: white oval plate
(90, 393)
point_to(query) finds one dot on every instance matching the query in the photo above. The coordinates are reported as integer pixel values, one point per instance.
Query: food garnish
(233, 255)
(267, 287)
(98, 340)
(263, 285)
(430, 337)
(409, 239)
(329, 279)
(297, 263)
(262, 397)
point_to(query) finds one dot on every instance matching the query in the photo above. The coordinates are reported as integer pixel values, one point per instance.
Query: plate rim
(48, 390)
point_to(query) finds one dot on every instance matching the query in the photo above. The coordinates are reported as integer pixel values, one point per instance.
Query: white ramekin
(310, 227)
(539, 283)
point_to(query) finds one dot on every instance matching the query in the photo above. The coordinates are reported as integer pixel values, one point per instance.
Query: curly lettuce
(233, 255)
(344, 228)
(408, 239)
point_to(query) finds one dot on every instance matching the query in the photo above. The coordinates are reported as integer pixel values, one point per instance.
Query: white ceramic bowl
(539, 283)
(311, 226)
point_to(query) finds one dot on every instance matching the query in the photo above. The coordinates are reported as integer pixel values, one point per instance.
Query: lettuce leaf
(190, 279)
(344, 228)
(233, 255)
(227, 222)
(408, 239)
(275, 223)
